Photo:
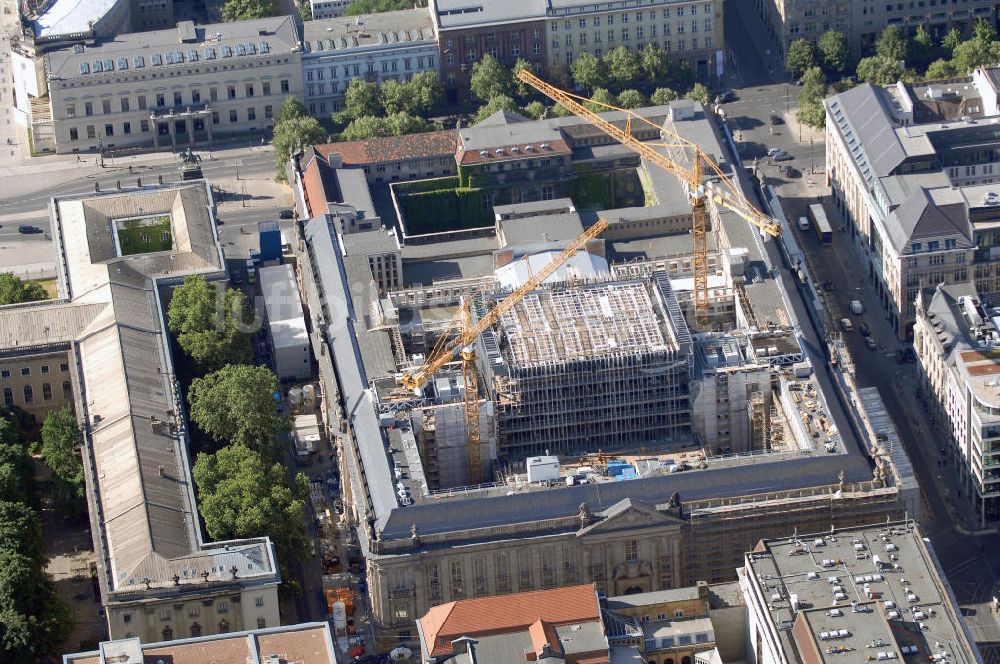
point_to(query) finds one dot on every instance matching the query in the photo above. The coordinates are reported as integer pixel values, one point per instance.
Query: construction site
(640, 367)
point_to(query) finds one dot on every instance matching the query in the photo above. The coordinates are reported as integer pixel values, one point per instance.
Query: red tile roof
(507, 613)
(469, 157)
(319, 190)
(393, 148)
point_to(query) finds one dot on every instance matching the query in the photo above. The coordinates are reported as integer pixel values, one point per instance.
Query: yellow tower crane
(461, 346)
(728, 196)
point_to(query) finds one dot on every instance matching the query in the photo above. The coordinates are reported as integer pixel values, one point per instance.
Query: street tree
(490, 79)
(662, 96)
(589, 71)
(399, 124)
(15, 472)
(535, 110)
(498, 103)
(974, 53)
(365, 127)
(631, 99)
(941, 69)
(246, 494)
(984, 32)
(362, 98)
(236, 405)
(61, 441)
(424, 92)
(699, 93)
(654, 62)
(601, 99)
(892, 44)
(922, 47)
(248, 10)
(559, 111)
(292, 107)
(834, 51)
(207, 321)
(800, 57)
(523, 90)
(952, 39)
(811, 110)
(14, 290)
(624, 67)
(393, 96)
(290, 137)
(879, 71)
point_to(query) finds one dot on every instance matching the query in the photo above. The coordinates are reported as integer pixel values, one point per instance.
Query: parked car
(865, 330)
(828, 286)
(846, 324)
(774, 119)
(28, 230)
(725, 96)
(870, 342)
(792, 172)
(773, 151)
(781, 156)
(286, 214)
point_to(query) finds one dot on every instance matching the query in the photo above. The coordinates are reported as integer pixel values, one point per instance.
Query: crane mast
(698, 190)
(462, 346)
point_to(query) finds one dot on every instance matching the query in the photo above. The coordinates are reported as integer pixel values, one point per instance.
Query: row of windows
(26, 371)
(626, 35)
(163, 128)
(103, 79)
(29, 393)
(160, 99)
(668, 46)
(624, 18)
(386, 66)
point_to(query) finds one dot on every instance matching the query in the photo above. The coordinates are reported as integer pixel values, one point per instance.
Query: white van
(803, 224)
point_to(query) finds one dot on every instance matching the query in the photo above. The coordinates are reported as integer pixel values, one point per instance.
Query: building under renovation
(599, 366)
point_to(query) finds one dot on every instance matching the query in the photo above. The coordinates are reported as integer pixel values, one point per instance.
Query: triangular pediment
(627, 514)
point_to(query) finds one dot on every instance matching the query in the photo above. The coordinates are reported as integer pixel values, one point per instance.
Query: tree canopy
(292, 107)
(293, 135)
(624, 66)
(879, 71)
(491, 79)
(14, 290)
(699, 93)
(941, 69)
(498, 103)
(834, 51)
(362, 98)
(243, 494)
(61, 445)
(663, 96)
(892, 44)
(654, 62)
(631, 99)
(811, 109)
(800, 57)
(601, 99)
(246, 10)
(397, 124)
(589, 71)
(236, 405)
(206, 320)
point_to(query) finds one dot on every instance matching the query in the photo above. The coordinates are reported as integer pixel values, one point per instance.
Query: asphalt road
(756, 57)
(31, 206)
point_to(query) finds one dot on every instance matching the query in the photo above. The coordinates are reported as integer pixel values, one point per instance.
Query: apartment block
(186, 86)
(687, 31)
(389, 46)
(328, 8)
(877, 590)
(920, 198)
(956, 339)
(862, 20)
(469, 29)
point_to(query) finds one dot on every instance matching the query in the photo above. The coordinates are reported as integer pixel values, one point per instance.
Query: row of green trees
(392, 108)
(620, 69)
(244, 488)
(14, 290)
(373, 6)
(246, 10)
(34, 621)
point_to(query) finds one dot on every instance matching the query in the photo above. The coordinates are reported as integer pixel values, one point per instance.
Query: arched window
(669, 660)
(261, 623)
(224, 626)
(67, 389)
(195, 629)
(8, 396)
(46, 392)
(168, 634)
(686, 660)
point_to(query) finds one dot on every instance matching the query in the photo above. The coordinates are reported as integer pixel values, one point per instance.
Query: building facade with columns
(186, 86)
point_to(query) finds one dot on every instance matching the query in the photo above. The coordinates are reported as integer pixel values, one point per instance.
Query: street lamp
(100, 150)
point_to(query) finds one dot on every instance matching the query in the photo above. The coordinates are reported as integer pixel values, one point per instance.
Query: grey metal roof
(863, 114)
(140, 51)
(284, 306)
(549, 227)
(460, 13)
(382, 31)
(506, 510)
(353, 190)
(928, 214)
(341, 332)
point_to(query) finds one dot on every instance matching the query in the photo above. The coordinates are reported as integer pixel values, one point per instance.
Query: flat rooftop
(570, 324)
(344, 33)
(865, 592)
